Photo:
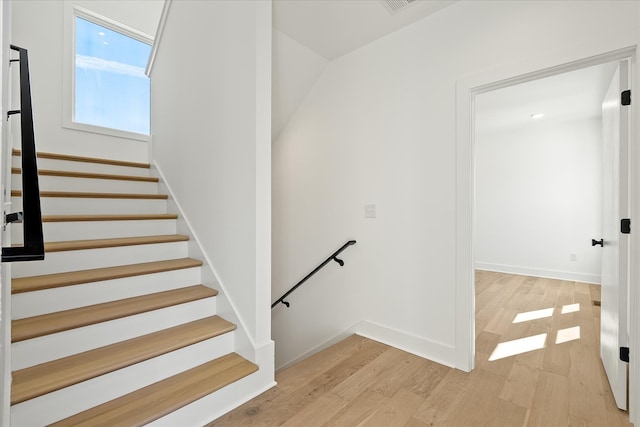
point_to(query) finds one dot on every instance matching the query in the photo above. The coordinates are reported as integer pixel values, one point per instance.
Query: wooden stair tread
(46, 281)
(75, 245)
(83, 218)
(55, 156)
(157, 400)
(89, 195)
(37, 326)
(47, 377)
(90, 175)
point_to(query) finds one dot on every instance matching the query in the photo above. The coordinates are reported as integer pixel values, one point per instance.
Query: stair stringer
(263, 355)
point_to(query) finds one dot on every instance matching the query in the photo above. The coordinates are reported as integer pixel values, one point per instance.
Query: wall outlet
(369, 211)
(573, 257)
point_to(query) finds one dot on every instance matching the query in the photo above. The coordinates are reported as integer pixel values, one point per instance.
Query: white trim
(537, 272)
(211, 407)
(634, 255)
(465, 243)
(84, 127)
(111, 24)
(327, 343)
(532, 68)
(5, 235)
(430, 350)
(159, 33)
(262, 354)
(209, 265)
(68, 69)
(71, 10)
(263, 171)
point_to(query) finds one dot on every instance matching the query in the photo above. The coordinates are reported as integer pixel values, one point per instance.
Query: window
(107, 86)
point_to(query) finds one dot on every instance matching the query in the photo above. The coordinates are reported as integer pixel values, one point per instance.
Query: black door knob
(595, 242)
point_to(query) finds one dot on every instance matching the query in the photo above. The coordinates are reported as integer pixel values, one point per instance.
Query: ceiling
(569, 96)
(333, 28)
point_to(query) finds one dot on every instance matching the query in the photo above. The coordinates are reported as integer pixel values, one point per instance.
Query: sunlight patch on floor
(519, 346)
(536, 342)
(568, 334)
(570, 308)
(533, 315)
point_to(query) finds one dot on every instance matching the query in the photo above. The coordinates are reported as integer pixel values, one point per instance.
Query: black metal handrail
(332, 257)
(33, 247)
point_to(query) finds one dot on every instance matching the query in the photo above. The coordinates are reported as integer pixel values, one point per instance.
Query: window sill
(106, 131)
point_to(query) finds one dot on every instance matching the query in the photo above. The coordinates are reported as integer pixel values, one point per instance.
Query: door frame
(508, 75)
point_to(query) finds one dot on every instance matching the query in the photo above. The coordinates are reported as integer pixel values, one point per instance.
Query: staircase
(114, 327)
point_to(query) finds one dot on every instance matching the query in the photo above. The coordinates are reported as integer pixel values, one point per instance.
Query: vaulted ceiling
(332, 28)
(308, 34)
(324, 30)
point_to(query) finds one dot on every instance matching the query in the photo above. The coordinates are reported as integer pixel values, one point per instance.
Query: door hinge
(624, 354)
(625, 226)
(625, 97)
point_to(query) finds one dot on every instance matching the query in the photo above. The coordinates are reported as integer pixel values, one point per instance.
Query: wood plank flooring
(553, 378)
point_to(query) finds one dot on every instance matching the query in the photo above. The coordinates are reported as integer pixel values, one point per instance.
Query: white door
(613, 323)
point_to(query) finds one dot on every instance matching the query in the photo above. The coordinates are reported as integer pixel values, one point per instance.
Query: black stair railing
(332, 257)
(31, 215)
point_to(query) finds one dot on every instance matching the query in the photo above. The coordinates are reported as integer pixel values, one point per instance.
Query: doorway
(539, 200)
(538, 175)
(468, 92)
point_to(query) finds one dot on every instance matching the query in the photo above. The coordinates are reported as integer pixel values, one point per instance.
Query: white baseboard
(536, 272)
(431, 350)
(436, 352)
(328, 343)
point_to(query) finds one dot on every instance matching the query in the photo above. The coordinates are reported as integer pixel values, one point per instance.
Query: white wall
(296, 68)
(38, 26)
(538, 193)
(211, 100)
(5, 269)
(380, 127)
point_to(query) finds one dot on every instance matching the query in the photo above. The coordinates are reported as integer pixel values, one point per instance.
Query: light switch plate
(369, 211)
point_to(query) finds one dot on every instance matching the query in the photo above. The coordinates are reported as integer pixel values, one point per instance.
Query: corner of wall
(263, 353)
(158, 38)
(245, 344)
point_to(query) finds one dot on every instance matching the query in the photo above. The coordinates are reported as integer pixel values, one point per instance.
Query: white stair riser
(35, 303)
(71, 400)
(83, 230)
(55, 346)
(66, 165)
(59, 183)
(88, 206)
(210, 407)
(59, 262)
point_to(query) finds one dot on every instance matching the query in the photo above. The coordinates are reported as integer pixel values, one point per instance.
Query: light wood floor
(360, 382)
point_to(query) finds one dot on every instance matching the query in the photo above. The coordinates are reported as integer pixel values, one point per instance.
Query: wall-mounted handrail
(332, 257)
(31, 215)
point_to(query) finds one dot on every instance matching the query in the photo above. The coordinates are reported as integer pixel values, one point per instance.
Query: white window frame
(72, 11)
